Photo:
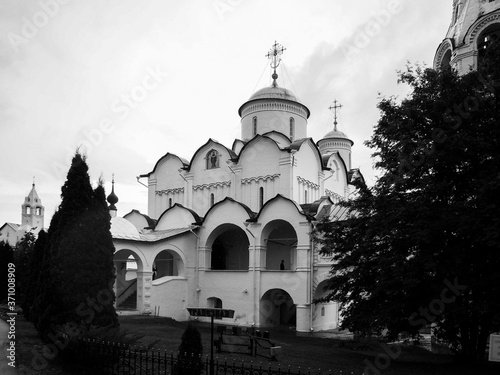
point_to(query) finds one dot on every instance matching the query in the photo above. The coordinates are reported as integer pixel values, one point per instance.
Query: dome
(335, 134)
(274, 92)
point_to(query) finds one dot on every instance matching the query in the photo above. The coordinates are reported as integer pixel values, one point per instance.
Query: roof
(274, 92)
(123, 229)
(12, 225)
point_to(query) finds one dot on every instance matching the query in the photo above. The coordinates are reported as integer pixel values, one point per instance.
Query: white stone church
(231, 226)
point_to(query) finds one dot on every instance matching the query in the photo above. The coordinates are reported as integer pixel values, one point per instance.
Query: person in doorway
(282, 265)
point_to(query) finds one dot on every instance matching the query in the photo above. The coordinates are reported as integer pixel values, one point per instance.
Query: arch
(167, 263)
(277, 308)
(480, 25)
(214, 302)
(127, 264)
(280, 240)
(486, 37)
(229, 245)
(325, 314)
(444, 49)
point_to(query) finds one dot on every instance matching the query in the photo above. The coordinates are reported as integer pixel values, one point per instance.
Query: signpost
(212, 313)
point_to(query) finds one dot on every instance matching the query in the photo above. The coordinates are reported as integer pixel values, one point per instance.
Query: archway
(277, 308)
(490, 35)
(167, 263)
(229, 248)
(127, 264)
(280, 240)
(325, 314)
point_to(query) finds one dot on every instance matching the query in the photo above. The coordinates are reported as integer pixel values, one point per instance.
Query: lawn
(307, 352)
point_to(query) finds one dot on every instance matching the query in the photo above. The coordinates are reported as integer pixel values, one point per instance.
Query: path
(5, 369)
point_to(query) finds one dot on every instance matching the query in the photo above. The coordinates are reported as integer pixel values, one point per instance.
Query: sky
(127, 81)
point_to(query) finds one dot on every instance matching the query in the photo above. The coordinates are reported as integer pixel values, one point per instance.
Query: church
(230, 228)
(32, 220)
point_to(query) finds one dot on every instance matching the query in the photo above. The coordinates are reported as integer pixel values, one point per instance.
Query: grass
(307, 352)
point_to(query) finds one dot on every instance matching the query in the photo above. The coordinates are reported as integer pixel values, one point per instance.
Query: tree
(22, 257)
(32, 278)
(79, 271)
(422, 245)
(190, 351)
(6, 257)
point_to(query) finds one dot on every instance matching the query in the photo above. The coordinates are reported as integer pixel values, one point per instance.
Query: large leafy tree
(422, 245)
(78, 273)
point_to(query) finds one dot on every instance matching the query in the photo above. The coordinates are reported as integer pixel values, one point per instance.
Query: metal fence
(108, 358)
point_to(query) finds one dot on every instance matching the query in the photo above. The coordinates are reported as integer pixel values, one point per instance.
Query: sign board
(209, 312)
(494, 355)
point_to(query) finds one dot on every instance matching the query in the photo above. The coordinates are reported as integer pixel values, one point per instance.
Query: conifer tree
(33, 275)
(79, 288)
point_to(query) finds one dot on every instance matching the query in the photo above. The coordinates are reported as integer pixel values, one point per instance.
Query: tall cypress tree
(79, 276)
(33, 274)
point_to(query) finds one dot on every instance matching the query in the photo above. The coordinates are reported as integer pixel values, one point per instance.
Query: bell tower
(32, 210)
(474, 24)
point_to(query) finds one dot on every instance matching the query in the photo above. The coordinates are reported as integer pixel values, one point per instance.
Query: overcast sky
(130, 80)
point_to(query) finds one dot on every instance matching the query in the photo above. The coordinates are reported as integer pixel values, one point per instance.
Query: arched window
(487, 37)
(212, 199)
(254, 126)
(169, 202)
(28, 210)
(305, 196)
(38, 211)
(261, 197)
(292, 128)
(212, 159)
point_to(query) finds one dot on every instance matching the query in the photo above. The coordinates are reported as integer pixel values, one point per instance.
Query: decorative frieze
(259, 178)
(212, 185)
(170, 191)
(307, 183)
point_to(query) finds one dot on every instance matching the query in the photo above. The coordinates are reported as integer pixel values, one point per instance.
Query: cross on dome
(274, 55)
(335, 107)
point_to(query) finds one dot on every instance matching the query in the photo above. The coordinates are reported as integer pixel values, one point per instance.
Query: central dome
(274, 92)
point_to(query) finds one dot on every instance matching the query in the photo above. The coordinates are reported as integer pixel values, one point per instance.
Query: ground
(307, 351)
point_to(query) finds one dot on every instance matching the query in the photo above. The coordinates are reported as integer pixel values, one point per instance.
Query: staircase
(129, 303)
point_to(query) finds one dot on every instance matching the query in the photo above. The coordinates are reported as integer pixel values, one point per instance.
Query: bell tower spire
(32, 210)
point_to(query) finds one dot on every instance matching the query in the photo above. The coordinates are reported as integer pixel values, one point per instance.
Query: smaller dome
(112, 198)
(274, 92)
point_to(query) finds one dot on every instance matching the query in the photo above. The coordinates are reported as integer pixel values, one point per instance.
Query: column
(144, 284)
(303, 318)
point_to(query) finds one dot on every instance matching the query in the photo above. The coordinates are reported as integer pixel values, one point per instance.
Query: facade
(231, 227)
(32, 219)
(474, 24)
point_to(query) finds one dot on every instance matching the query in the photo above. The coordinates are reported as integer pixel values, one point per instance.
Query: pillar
(144, 284)
(303, 318)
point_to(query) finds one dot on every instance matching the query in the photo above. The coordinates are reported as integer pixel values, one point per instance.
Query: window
(491, 34)
(38, 211)
(169, 202)
(305, 196)
(212, 159)
(292, 128)
(254, 126)
(212, 199)
(261, 197)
